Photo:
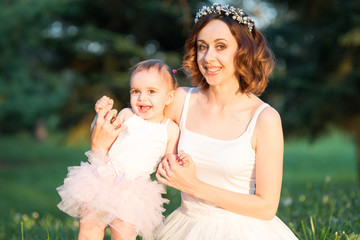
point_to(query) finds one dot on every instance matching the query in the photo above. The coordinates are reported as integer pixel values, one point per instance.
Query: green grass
(320, 197)
(331, 157)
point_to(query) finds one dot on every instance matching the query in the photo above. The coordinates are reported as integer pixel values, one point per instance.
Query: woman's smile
(212, 70)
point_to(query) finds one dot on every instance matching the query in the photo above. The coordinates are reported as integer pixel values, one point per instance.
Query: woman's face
(216, 48)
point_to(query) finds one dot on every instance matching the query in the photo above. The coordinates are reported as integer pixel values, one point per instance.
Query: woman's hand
(171, 173)
(107, 126)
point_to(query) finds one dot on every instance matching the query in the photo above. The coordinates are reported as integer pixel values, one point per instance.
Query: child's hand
(105, 103)
(183, 159)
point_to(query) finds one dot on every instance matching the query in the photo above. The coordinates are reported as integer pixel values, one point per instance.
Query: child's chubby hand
(183, 159)
(106, 115)
(104, 103)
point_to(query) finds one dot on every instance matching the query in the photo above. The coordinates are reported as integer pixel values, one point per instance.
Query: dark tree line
(57, 57)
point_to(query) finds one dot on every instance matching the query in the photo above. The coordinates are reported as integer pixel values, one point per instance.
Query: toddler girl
(114, 189)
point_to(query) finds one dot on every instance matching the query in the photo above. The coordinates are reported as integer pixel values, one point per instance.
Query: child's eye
(151, 91)
(134, 91)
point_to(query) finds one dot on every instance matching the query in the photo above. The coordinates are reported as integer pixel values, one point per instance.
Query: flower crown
(237, 14)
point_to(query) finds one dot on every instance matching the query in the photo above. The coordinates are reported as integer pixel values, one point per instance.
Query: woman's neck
(225, 96)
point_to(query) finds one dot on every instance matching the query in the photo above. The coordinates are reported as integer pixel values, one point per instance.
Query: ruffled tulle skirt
(97, 189)
(209, 223)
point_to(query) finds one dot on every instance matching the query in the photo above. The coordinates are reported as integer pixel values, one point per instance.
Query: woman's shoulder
(268, 118)
(181, 94)
(182, 91)
(266, 115)
(173, 111)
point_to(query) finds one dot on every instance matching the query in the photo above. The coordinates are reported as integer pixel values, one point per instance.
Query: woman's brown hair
(253, 61)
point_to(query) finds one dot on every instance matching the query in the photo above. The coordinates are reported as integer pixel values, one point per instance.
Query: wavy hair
(253, 61)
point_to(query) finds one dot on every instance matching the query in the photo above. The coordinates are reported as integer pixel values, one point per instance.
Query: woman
(233, 137)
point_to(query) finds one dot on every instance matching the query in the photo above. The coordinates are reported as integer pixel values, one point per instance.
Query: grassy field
(320, 197)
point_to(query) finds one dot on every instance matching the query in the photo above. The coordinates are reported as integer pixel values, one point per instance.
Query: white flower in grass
(17, 216)
(287, 201)
(327, 179)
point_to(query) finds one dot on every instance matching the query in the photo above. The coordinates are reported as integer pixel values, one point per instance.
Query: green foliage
(315, 84)
(58, 57)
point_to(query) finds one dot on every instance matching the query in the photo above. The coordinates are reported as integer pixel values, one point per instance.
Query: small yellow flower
(35, 215)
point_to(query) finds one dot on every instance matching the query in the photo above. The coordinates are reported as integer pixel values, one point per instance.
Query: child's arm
(173, 137)
(171, 147)
(124, 114)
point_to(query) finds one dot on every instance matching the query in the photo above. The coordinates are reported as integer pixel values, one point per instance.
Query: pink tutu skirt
(96, 189)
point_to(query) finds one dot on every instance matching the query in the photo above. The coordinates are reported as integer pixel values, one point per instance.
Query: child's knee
(89, 231)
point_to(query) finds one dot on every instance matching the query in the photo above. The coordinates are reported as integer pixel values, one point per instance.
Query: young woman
(231, 184)
(115, 188)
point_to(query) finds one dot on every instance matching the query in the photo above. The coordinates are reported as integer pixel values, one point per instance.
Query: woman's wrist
(195, 188)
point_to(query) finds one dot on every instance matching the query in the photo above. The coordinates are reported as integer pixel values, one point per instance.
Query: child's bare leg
(121, 230)
(91, 229)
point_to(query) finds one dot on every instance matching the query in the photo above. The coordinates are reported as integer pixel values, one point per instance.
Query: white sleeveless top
(228, 164)
(140, 147)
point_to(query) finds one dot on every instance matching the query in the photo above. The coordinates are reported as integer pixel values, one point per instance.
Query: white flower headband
(237, 14)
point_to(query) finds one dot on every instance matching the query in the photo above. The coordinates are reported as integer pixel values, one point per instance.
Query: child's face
(149, 94)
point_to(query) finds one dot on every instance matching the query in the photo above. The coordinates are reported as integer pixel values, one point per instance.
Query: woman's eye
(201, 47)
(221, 46)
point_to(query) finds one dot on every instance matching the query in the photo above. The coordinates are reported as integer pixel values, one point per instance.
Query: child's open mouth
(144, 108)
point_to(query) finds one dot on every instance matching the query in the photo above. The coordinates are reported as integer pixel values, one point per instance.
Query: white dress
(118, 186)
(228, 164)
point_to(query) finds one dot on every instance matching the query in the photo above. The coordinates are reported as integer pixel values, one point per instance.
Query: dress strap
(252, 123)
(185, 108)
(167, 122)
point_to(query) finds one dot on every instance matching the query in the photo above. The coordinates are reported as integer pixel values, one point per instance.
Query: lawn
(320, 197)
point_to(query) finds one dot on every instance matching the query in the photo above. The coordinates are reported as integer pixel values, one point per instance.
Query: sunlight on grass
(320, 197)
(332, 156)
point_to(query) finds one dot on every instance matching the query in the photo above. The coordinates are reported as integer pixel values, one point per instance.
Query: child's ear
(170, 97)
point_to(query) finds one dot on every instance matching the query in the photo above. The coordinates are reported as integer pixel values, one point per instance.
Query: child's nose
(141, 96)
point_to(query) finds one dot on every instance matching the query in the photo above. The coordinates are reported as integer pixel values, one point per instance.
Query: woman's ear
(170, 97)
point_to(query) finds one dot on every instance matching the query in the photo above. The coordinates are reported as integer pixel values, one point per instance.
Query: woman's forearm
(251, 205)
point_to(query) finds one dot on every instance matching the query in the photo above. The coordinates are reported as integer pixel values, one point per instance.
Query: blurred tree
(317, 46)
(58, 57)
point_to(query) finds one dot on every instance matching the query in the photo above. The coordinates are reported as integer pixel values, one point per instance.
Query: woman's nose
(209, 55)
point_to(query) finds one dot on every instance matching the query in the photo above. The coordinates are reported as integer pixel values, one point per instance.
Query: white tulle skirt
(96, 189)
(209, 223)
